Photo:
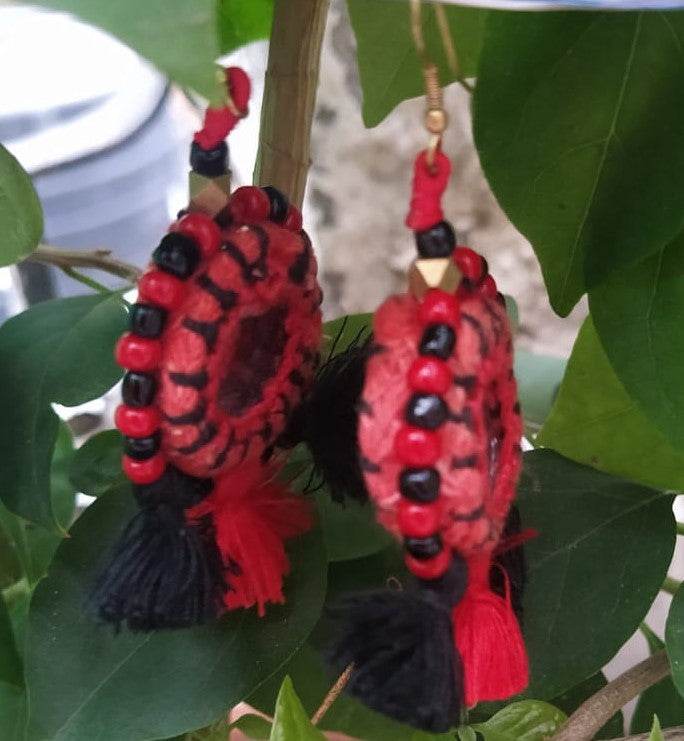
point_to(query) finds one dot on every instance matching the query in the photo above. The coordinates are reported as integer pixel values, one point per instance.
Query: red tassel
(253, 515)
(488, 638)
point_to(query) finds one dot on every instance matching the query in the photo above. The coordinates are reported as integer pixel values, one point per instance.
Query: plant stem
(289, 95)
(90, 282)
(585, 722)
(680, 528)
(100, 259)
(332, 695)
(670, 585)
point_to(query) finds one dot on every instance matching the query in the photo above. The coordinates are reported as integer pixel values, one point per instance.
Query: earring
(439, 432)
(222, 347)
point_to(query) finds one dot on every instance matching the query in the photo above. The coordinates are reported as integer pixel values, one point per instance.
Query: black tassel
(163, 572)
(513, 563)
(401, 644)
(327, 422)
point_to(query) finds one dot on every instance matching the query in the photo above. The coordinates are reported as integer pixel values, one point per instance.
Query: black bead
(209, 162)
(177, 254)
(419, 484)
(279, 204)
(437, 241)
(426, 410)
(438, 340)
(141, 448)
(147, 321)
(138, 389)
(424, 547)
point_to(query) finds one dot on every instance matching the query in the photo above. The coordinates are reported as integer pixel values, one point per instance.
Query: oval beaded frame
(480, 439)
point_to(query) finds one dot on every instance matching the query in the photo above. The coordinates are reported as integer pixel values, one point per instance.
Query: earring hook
(436, 119)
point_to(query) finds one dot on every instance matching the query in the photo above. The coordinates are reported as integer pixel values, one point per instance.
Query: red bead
(293, 220)
(428, 568)
(418, 520)
(134, 422)
(202, 229)
(469, 263)
(249, 204)
(439, 307)
(144, 472)
(430, 375)
(160, 288)
(138, 353)
(415, 446)
(488, 287)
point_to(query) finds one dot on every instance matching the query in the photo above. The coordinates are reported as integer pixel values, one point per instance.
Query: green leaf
(350, 530)
(290, 722)
(592, 407)
(538, 377)
(527, 720)
(674, 639)
(661, 699)
(33, 544)
(570, 700)
(389, 66)
(636, 314)
(422, 736)
(339, 333)
(253, 726)
(578, 127)
(96, 465)
(603, 550)
(11, 669)
(57, 351)
(177, 36)
(656, 732)
(85, 681)
(21, 217)
(239, 22)
(12, 711)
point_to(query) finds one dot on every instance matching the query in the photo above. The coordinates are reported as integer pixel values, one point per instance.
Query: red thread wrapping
(252, 331)
(426, 208)
(253, 515)
(219, 122)
(487, 487)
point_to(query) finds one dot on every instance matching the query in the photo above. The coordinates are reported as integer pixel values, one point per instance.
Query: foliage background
(577, 126)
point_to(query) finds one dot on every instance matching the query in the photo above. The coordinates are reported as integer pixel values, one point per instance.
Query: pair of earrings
(222, 374)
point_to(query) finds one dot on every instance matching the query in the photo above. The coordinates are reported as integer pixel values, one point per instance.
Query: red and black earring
(222, 347)
(439, 432)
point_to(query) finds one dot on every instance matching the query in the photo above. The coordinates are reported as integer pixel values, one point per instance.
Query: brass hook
(436, 119)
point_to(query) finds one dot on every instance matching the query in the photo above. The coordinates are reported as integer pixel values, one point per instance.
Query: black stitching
(193, 380)
(189, 418)
(208, 331)
(226, 299)
(206, 434)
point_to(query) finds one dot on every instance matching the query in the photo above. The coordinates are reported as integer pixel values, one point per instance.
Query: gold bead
(437, 272)
(436, 120)
(209, 195)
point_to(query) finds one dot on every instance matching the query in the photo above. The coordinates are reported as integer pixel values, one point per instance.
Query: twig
(289, 95)
(332, 695)
(671, 585)
(676, 733)
(592, 714)
(99, 259)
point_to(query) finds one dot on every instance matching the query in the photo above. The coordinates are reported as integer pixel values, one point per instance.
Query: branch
(332, 695)
(592, 714)
(99, 259)
(676, 733)
(289, 95)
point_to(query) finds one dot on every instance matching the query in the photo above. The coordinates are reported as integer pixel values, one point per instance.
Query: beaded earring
(439, 431)
(222, 346)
